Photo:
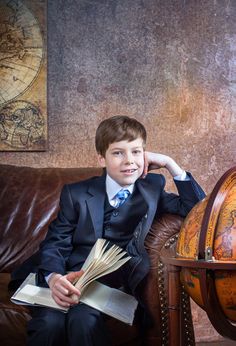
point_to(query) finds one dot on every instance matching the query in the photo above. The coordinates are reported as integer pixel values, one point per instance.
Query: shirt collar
(112, 187)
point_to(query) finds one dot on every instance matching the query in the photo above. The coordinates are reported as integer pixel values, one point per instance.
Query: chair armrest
(153, 290)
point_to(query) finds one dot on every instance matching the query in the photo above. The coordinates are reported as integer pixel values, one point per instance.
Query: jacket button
(115, 213)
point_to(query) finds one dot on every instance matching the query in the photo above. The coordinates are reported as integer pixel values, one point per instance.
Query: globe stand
(206, 265)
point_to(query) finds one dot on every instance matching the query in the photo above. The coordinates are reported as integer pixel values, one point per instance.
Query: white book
(110, 301)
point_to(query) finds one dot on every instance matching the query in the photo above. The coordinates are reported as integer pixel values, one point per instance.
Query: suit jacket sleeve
(57, 246)
(189, 193)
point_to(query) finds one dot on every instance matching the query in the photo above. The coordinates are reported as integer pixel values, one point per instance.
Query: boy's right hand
(62, 288)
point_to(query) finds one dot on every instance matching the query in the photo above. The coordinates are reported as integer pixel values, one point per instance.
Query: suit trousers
(80, 326)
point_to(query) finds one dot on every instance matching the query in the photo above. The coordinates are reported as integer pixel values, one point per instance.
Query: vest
(119, 223)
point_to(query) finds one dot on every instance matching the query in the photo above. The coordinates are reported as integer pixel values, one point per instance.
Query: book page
(111, 301)
(96, 251)
(35, 295)
(100, 270)
(101, 261)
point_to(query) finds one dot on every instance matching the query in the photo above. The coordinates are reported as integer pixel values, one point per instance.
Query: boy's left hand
(157, 161)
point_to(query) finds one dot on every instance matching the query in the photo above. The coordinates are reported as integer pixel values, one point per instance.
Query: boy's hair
(116, 129)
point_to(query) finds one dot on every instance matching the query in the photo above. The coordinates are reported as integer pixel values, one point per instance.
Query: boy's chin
(128, 181)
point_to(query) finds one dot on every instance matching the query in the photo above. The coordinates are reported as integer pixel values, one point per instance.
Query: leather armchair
(28, 203)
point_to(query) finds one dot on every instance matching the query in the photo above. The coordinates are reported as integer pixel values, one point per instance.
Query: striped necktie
(121, 197)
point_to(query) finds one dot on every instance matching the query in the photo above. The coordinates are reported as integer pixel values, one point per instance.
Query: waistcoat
(120, 223)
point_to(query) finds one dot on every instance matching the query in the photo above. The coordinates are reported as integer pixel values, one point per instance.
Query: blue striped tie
(121, 196)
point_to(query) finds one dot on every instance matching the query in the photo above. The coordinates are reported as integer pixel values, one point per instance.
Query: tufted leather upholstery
(28, 202)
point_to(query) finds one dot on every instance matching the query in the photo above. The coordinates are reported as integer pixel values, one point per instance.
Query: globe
(208, 235)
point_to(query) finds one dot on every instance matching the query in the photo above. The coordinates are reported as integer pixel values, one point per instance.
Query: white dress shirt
(112, 188)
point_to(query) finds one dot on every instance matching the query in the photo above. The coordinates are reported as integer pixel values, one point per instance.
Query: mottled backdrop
(169, 63)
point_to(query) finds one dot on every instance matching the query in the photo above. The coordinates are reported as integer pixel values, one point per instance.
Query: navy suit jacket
(80, 222)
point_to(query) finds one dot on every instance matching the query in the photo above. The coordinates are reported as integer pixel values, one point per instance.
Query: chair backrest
(29, 200)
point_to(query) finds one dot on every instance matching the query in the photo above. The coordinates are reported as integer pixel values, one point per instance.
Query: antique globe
(208, 239)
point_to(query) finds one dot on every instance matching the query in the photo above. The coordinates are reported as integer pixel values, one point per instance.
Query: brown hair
(116, 129)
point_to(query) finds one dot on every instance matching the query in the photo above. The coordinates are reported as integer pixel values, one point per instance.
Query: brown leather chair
(29, 201)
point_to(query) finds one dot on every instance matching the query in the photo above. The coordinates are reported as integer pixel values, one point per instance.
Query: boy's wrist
(53, 278)
(173, 168)
(182, 177)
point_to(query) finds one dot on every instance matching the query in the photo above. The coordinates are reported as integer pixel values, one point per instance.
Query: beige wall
(170, 64)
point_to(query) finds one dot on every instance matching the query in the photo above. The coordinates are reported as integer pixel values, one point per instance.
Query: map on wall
(23, 75)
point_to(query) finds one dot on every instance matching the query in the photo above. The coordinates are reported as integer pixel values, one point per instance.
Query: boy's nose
(129, 159)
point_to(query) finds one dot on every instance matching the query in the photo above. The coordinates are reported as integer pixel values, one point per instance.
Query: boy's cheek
(141, 171)
(142, 165)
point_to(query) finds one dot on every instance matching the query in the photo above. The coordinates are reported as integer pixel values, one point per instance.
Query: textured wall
(169, 63)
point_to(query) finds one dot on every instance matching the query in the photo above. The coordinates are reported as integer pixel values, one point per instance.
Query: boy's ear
(101, 160)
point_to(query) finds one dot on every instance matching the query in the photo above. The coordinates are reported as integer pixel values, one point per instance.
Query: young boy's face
(124, 161)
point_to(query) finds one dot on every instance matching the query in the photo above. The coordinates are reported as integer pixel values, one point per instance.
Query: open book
(100, 261)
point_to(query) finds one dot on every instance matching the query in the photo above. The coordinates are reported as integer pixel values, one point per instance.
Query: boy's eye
(136, 152)
(117, 153)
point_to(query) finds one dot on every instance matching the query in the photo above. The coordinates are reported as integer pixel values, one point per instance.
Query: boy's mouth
(129, 171)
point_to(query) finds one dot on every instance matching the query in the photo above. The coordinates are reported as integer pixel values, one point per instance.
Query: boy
(96, 208)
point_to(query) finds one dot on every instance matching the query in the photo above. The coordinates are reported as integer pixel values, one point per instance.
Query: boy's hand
(156, 161)
(62, 288)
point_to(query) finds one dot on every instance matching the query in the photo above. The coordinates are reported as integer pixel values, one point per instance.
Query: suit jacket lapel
(150, 196)
(95, 202)
(148, 193)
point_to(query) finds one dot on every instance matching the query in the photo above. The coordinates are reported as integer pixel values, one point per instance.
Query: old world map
(21, 56)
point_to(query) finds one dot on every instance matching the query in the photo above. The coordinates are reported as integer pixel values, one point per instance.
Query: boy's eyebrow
(118, 148)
